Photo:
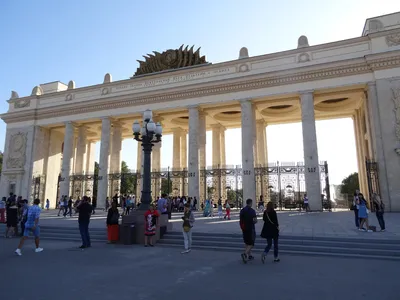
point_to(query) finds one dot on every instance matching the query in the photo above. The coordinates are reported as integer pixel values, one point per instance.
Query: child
(150, 219)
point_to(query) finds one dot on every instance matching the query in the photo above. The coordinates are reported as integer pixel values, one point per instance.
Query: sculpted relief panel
(396, 101)
(17, 151)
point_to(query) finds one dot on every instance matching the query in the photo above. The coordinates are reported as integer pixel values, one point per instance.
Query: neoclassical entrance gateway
(51, 134)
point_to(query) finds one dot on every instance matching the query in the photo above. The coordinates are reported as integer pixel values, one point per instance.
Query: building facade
(51, 134)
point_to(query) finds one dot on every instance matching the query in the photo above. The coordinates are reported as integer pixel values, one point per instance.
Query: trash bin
(128, 235)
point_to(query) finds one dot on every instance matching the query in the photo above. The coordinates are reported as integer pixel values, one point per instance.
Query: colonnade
(193, 158)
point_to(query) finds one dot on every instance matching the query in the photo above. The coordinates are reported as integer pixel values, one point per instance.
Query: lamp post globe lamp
(149, 134)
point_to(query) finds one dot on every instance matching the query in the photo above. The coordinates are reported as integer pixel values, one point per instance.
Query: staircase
(70, 234)
(323, 246)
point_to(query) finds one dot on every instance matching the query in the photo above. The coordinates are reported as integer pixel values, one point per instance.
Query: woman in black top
(270, 231)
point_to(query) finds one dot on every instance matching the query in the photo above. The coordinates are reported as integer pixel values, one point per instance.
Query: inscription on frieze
(174, 79)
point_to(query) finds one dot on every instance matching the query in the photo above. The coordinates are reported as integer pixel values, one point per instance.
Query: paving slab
(105, 272)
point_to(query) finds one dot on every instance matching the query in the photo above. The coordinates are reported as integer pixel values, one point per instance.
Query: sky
(47, 40)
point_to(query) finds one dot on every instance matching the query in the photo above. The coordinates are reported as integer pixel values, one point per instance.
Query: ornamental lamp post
(148, 135)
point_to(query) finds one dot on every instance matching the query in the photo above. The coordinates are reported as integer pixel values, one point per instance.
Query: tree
(164, 186)
(128, 180)
(350, 184)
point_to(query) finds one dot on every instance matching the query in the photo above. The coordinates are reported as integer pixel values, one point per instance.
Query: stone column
(378, 121)
(66, 160)
(176, 161)
(80, 161)
(360, 141)
(311, 162)
(115, 157)
(223, 163)
(90, 157)
(193, 167)
(262, 160)
(184, 161)
(249, 184)
(139, 171)
(102, 186)
(216, 160)
(202, 156)
(89, 168)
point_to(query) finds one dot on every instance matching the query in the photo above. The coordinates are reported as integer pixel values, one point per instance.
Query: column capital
(371, 83)
(245, 100)
(261, 122)
(306, 92)
(194, 106)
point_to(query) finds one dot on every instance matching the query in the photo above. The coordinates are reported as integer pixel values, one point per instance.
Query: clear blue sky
(44, 41)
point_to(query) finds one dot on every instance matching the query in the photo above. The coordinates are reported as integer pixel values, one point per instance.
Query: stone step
(282, 251)
(302, 248)
(336, 243)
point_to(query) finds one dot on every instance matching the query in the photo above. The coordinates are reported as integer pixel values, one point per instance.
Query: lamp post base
(136, 217)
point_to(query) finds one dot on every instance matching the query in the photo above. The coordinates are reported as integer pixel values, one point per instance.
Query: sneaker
(277, 260)
(244, 258)
(383, 230)
(185, 251)
(263, 256)
(369, 230)
(251, 257)
(82, 247)
(189, 250)
(18, 252)
(37, 250)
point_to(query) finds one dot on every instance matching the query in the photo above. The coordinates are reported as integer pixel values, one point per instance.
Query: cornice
(281, 78)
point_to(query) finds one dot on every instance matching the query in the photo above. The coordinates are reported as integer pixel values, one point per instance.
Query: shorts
(249, 237)
(36, 232)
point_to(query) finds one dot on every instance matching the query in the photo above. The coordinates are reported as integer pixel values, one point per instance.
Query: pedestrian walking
(227, 210)
(220, 215)
(379, 210)
(112, 223)
(248, 219)
(85, 212)
(47, 204)
(270, 231)
(12, 217)
(306, 204)
(3, 210)
(188, 221)
(31, 225)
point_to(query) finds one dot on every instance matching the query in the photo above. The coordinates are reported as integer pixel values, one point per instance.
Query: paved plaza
(292, 223)
(133, 272)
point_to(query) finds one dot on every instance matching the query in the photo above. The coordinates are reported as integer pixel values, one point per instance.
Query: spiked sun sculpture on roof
(170, 59)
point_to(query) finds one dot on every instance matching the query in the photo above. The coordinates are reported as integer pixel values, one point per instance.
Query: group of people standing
(361, 211)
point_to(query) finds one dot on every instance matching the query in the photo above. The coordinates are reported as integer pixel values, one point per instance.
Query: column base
(137, 218)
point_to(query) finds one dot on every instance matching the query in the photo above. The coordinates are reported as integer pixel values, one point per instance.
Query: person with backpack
(270, 231)
(188, 221)
(31, 225)
(248, 219)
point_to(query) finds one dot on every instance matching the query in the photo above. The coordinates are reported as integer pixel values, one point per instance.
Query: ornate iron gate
(38, 188)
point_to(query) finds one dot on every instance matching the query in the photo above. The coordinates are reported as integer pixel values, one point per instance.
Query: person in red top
(150, 225)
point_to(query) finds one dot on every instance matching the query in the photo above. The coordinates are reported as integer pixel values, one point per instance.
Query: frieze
(273, 80)
(174, 79)
(21, 103)
(17, 151)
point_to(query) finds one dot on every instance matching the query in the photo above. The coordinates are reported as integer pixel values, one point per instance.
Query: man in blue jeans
(32, 215)
(85, 211)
